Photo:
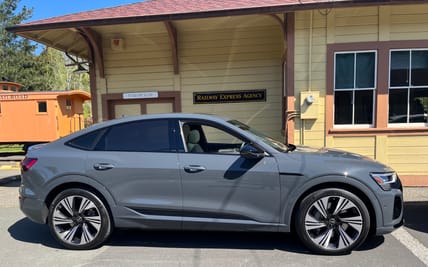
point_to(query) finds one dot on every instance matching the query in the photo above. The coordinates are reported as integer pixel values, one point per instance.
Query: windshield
(261, 136)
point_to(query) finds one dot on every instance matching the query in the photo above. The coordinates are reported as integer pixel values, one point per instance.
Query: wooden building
(38, 117)
(346, 74)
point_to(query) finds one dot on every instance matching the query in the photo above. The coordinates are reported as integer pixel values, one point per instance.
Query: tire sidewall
(307, 202)
(105, 229)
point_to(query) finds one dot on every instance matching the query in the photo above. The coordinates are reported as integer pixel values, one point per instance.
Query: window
(138, 136)
(354, 87)
(68, 103)
(42, 107)
(202, 138)
(408, 86)
(87, 141)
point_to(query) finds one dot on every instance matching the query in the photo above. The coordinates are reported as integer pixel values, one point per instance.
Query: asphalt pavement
(24, 242)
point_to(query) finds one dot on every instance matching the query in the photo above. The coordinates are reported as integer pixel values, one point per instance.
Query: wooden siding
(230, 53)
(407, 154)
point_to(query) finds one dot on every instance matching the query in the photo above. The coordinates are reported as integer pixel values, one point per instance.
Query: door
(221, 189)
(136, 162)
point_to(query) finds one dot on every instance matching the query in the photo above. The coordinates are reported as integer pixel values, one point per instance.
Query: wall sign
(258, 95)
(140, 95)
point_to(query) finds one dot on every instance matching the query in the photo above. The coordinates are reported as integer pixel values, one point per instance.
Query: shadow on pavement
(223, 240)
(27, 231)
(10, 181)
(416, 215)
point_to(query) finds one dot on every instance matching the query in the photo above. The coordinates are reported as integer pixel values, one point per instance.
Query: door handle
(103, 166)
(194, 168)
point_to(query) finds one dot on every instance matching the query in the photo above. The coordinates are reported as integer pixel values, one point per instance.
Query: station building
(345, 74)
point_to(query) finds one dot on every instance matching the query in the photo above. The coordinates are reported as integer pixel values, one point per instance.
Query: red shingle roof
(174, 7)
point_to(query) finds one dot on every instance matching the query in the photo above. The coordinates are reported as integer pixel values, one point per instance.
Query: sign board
(140, 95)
(221, 97)
(13, 97)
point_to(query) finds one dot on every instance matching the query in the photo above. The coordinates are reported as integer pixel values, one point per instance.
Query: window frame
(354, 89)
(409, 87)
(382, 90)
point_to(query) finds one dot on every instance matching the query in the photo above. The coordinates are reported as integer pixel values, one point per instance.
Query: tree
(19, 63)
(17, 54)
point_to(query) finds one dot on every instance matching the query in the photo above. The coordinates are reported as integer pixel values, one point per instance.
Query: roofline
(81, 93)
(205, 14)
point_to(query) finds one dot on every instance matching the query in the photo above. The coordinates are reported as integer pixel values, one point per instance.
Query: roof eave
(207, 14)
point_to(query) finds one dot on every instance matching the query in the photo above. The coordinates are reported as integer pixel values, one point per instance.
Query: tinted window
(139, 136)
(86, 141)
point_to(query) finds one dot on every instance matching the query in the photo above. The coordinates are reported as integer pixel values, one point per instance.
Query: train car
(39, 117)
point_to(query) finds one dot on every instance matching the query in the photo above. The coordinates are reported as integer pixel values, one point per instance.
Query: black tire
(332, 221)
(79, 220)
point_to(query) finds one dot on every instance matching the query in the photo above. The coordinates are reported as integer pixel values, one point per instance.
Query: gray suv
(201, 172)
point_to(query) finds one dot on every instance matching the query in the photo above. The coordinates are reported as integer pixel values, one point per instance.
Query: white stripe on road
(412, 244)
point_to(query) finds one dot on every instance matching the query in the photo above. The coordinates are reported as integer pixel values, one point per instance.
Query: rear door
(138, 164)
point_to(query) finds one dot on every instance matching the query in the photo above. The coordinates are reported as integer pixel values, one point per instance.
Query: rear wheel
(78, 219)
(332, 221)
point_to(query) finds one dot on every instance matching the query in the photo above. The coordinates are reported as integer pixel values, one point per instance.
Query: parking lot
(26, 243)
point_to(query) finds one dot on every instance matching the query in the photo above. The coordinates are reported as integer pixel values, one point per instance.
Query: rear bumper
(34, 209)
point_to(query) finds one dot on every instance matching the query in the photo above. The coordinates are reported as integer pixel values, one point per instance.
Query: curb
(14, 166)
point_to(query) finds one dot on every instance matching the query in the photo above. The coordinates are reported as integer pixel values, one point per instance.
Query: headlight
(384, 179)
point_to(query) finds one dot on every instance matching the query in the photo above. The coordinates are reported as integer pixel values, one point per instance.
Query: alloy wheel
(334, 222)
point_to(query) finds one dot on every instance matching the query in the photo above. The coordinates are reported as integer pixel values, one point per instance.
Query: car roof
(185, 116)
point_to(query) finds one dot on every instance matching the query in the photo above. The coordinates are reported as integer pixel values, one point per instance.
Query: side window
(42, 107)
(354, 87)
(203, 138)
(87, 141)
(138, 136)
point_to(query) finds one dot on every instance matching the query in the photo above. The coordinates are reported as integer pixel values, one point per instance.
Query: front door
(221, 189)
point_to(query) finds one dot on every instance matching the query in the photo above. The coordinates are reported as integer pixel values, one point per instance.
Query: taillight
(27, 163)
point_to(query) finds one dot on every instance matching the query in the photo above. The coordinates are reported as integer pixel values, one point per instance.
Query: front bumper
(392, 211)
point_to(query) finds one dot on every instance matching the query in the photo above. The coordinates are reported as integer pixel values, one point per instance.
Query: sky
(43, 9)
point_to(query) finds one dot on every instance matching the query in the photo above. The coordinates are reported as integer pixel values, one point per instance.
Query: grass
(11, 148)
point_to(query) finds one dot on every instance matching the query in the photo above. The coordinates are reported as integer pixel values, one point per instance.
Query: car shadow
(416, 215)
(10, 181)
(27, 231)
(30, 232)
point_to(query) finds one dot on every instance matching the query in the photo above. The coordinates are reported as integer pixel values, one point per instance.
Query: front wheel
(332, 221)
(78, 219)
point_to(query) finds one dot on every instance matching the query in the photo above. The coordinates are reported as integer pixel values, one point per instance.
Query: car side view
(203, 172)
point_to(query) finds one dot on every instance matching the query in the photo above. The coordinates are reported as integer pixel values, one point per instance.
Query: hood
(329, 152)
(316, 162)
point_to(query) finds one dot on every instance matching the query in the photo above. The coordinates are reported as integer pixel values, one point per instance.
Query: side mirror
(248, 151)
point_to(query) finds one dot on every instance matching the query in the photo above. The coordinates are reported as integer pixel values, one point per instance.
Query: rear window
(139, 136)
(87, 141)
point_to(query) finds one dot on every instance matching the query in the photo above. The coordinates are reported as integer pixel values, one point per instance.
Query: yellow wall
(231, 53)
(407, 154)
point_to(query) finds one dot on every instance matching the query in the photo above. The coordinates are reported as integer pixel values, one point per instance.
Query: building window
(408, 86)
(354, 88)
(42, 107)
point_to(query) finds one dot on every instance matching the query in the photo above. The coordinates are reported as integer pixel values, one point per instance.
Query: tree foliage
(20, 63)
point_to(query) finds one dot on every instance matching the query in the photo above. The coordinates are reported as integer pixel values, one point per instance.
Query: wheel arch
(358, 191)
(103, 196)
